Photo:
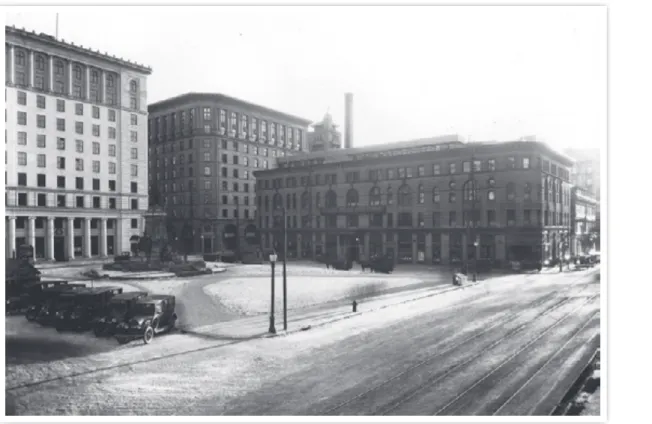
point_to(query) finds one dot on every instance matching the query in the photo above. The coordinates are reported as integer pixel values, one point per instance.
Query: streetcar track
(497, 321)
(545, 364)
(432, 381)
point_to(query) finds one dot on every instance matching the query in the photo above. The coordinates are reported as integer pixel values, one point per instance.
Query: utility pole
(471, 194)
(285, 280)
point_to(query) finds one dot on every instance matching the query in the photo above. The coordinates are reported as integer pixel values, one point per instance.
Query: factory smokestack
(348, 120)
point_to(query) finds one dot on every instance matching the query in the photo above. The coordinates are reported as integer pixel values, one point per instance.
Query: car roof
(155, 298)
(128, 296)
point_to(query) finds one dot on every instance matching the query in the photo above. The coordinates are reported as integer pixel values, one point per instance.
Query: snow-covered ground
(297, 269)
(249, 296)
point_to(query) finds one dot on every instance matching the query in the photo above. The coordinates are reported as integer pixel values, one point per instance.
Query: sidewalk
(304, 319)
(72, 264)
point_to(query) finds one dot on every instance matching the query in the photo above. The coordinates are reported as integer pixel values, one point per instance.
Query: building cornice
(53, 42)
(192, 97)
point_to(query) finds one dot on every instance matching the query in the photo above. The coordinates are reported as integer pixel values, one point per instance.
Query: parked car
(119, 310)
(77, 310)
(44, 299)
(151, 315)
(382, 263)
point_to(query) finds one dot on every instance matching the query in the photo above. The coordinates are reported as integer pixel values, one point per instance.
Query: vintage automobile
(151, 315)
(120, 309)
(44, 299)
(382, 263)
(77, 310)
(20, 296)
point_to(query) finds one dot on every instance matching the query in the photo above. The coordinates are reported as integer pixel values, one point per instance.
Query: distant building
(324, 136)
(586, 172)
(585, 225)
(204, 148)
(76, 159)
(415, 201)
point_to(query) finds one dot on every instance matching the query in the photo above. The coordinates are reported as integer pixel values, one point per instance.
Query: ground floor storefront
(499, 247)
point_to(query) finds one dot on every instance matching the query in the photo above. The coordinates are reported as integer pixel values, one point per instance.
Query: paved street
(509, 347)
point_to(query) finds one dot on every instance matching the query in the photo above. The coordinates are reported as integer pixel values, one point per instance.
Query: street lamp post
(272, 260)
(476, 244)
(285, 254)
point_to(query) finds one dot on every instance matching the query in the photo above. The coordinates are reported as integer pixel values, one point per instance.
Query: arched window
(331, 199)
(318, 200)
(352, 198)
(58, 67)
(452, 197)
(511, 191)
(110, 81)
(435, 195)
(491, 182)
(40, 63)
(491, 195)
(527, 191)
(78, 72)
(374, 196)
(422, 195)
(20, 58)
(390, 196)
(133, 87)
(95, 77)
(305, 200)
(452, 185)
(277, 202)
(404, 196)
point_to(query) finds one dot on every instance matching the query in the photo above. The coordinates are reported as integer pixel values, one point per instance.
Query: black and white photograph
(305, 211)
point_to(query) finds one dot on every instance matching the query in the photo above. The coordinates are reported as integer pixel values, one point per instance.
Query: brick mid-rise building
(415, 201)
(204, 148)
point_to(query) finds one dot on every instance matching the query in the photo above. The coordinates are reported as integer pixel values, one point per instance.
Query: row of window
(61, 201)
(79, 126)
(79, 108)
(406, 219)
(41, 222)
(207, 155)
(207, 187)
(41, 161)
(41, 181)
(21, 137)
(238, 125)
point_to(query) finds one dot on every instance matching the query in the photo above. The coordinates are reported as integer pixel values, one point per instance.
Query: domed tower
(325, 135)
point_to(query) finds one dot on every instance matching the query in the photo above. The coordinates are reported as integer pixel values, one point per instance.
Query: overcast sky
(491, 73)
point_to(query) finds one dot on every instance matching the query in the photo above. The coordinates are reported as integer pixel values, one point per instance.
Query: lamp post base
(272, 329)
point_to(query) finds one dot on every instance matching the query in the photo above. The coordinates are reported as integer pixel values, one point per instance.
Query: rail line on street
(492, 325)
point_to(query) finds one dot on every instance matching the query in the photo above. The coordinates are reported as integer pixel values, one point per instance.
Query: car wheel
(122, 340)
(148, 335)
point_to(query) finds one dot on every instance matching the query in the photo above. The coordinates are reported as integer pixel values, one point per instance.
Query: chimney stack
(348, 120)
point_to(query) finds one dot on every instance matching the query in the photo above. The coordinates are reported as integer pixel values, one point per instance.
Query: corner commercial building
(76, 159)
(415, 201)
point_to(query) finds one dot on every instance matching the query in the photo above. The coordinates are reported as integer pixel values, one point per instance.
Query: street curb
(354, 314)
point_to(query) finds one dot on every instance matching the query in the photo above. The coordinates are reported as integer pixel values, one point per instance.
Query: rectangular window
(96, 130)
(111, 167)
(111, 115)
(477, 166)
(22, 179)
(96, 148)
(79, 183)
(134, 136)
(112, 202)
(61, 124)
(134, 153)
(22, 201)
(61, 162)
(134, 119)
(134, 170)
(436, 219)
(41, 200)
(452, 219)
(111, 185)
(491, 164)
(96, 166)
(134, 187)
(511, 217)
(436, 169)
(79, 109)
(40, 160)
(134, 204)
(61, 182)
(61, 105)
(526, 163)
(96, 202)
(451, 168)
(22, 138)
(61, 143)
(207, 170)
(40, 180)
(79, 127)
(79, 164)
(79, 146)
(96, 184)
(40, 140)
(96, 112)
(80, 201)
(111, 150)
(511, 162)
(61, 201)
(22, 118)
(491, 218)
(466, 166)
(22, 98)
(40, 102)
(40, 121)
(112, 133)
